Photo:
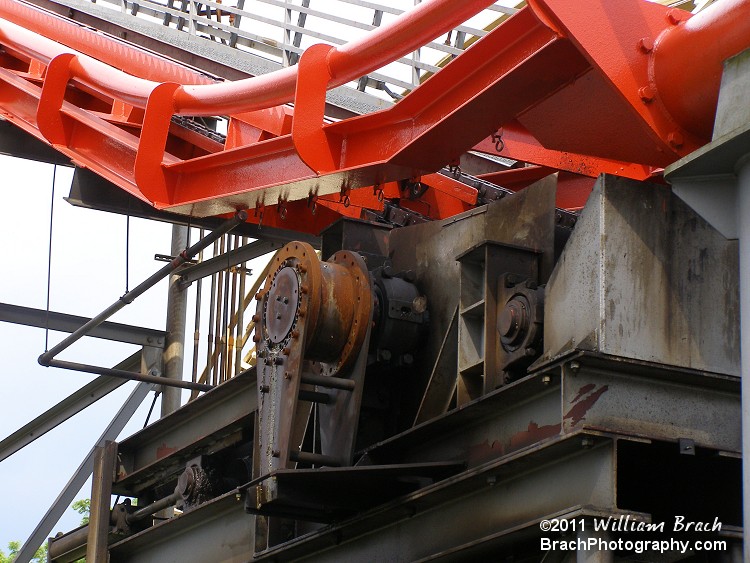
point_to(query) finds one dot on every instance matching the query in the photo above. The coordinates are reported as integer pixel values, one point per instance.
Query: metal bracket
(687, 446)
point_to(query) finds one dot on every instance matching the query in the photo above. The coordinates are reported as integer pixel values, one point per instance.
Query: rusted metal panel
(219, 531)
(644, 277)
(523, 221)
(477, 504)
(652, 402)
(600, 393)
(732, 111)
(211, 422)
(105, 459)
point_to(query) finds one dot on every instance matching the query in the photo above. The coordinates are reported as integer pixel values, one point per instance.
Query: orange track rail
(585, 87)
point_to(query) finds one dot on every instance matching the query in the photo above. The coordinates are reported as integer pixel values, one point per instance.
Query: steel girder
(566, 442)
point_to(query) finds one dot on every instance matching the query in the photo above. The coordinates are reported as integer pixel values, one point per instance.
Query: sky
(88, 269)
(87, 275)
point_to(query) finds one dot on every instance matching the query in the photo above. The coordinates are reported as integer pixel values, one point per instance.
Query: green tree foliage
(13, 548)
(82, 506)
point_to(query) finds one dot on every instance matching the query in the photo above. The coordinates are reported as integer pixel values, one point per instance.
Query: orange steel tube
(97, 45)
(346, 63)
(96, 74)
(688, 58)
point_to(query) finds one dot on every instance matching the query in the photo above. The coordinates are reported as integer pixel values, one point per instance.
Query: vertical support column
(734, 554)
(416, 57)
(743, 222)
(192, 15)
(593, 555)
(235, 23)
(174, 350)
(286, 36)
(101, 495)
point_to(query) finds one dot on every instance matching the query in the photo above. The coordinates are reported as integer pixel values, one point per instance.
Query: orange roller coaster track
(618, 86)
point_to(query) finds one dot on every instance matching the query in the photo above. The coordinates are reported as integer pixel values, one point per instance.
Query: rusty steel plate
(283, 299)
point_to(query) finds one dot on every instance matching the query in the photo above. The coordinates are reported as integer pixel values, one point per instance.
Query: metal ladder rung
(328, 382)
(314, 459)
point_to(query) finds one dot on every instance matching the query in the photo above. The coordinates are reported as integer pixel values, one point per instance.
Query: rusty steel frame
(566, 420)
(164, 446)
(503, 502)
(571, 414)
(715, 181)
(105, 463)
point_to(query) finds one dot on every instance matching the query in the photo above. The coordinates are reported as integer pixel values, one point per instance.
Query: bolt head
(645, 45)
(575, 366)
(674, 16)
(675, 139)
(646, 94)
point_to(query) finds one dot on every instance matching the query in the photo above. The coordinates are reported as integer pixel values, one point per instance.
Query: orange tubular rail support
(582, 86)
(344, 64)
(140, 173)
(686, 64)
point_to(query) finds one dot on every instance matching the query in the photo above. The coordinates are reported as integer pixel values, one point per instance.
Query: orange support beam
(586, 87)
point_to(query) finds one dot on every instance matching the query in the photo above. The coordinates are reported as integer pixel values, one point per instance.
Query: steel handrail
(47, 359)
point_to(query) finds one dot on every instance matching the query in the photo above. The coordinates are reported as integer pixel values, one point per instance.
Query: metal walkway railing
(280, 30)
